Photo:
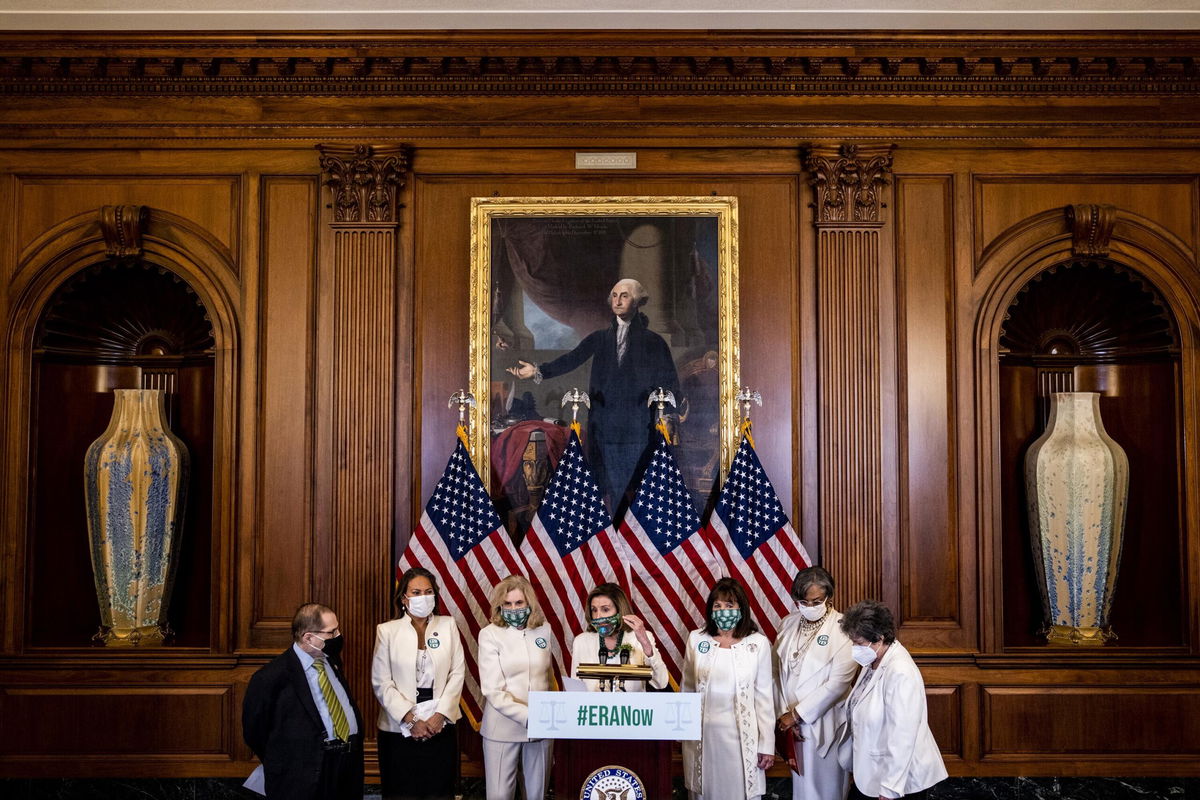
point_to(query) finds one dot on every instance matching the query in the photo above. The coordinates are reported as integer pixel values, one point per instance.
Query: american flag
(571, 547)
(752, 536)
(462, 541)
(671, 565)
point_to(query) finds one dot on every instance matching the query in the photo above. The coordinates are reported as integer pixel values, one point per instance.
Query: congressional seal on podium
(613, 783)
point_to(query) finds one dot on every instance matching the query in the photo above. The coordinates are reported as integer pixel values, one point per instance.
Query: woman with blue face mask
(612, 623)
(516, 657)
(886, 742)
(417, 673)
(729, 663)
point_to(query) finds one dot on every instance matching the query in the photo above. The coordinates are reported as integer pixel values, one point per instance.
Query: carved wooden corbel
(847, 181)
(122, 227)
(364, 180)
(1091, 228)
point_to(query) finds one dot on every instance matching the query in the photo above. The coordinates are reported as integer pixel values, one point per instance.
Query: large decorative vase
(1077, 483)
(135, 477)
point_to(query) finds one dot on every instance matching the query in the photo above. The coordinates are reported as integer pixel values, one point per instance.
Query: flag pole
(745, 397)
(464, 400)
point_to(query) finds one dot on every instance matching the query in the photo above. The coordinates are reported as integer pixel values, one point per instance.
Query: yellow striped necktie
(341, 728)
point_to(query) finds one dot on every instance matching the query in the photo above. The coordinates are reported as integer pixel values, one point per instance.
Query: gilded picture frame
(541, 271)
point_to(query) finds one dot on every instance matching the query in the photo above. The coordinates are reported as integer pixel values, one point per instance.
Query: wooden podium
(581, 763)
(576, 759)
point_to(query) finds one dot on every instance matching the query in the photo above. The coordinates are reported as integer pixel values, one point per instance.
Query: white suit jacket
(587, 646)
(512, 663)
(394, 668)
(812, 685)
(894, 752)
(754, 705)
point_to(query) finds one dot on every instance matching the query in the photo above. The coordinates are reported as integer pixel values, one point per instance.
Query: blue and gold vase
(1077, 484)
(135, 477)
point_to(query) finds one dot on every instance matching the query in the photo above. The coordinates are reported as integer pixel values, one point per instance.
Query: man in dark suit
(299, 719)
(629, 361)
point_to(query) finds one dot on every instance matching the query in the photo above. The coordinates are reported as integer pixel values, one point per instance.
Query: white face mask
(421, 606)
(813, 614)
(863, 655)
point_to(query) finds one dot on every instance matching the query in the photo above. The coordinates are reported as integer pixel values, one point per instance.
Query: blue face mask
(726, 618)
(516, 617)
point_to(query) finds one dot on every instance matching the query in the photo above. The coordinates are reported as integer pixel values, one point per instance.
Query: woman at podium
(729, 663)
(417, 673)
(514, 660)
(816, 671)
(613, 628)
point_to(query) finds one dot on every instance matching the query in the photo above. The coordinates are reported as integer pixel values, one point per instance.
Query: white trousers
(500, 762)
(820, 778)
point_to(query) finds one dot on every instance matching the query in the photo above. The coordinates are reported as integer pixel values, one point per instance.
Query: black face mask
(333, 647)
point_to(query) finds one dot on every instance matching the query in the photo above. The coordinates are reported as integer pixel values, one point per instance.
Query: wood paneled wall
(873, 338)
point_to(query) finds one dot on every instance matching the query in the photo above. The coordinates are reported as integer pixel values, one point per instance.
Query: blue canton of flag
(748, 503)
(663, 505)
(460, 508)
(572, 511)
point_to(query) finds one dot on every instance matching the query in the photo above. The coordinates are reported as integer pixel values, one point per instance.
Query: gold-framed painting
(615, 297)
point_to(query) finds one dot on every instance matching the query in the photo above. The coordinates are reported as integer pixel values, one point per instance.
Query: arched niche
(100, 309)
(1118, 318)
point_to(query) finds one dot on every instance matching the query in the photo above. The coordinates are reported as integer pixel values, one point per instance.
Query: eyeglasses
(812, 603)
(334, 632)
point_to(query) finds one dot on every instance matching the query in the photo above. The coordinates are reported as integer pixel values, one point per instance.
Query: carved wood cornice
(122, 227)
(847, 180)
(601, 63)
(364, 180)
(1091, 228)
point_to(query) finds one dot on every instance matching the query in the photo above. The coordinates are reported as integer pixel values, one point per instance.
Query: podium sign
(614, 715)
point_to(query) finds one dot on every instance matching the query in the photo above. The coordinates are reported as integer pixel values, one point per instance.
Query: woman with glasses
(891, 750)
(729, 663)
(612, 623)
(515, 658)
(816, 671)
(417, 674)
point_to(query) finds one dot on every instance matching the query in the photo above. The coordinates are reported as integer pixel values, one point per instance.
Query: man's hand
(524, 371)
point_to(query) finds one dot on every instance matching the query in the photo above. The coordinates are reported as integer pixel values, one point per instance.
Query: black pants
(855, 794)
(424, 770)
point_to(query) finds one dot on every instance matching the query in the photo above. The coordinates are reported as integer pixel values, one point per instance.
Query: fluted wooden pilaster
(361, 395)
(848, 182)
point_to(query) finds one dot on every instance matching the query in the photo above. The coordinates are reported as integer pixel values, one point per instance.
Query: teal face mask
(516, 617)
(606, 625)
(726, 618)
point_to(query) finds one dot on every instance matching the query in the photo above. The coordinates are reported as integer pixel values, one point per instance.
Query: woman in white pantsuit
(612, 623)
(729, 663)
(815, 673)
(515, 658)
(887, 743)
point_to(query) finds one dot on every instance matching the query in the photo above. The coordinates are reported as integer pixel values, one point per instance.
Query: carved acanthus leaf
(847, 181)
(365, 181)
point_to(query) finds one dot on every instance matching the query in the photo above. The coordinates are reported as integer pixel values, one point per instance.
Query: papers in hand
(256, 782)
(422, 710)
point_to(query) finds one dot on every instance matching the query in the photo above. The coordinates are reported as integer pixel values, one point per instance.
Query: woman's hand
(765, 760)
(420, 730)
(436, 723)
(786, 720)
(639, 631)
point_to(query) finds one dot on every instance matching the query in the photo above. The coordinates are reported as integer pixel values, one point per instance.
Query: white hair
(639, 291)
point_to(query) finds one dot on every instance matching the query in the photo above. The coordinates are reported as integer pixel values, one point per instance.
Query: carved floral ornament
(847, 181)
(1091, 228)
(364, 180)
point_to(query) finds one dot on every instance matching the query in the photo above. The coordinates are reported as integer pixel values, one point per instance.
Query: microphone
(603, 652)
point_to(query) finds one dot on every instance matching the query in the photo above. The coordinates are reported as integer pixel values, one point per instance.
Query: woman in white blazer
(613, 622)
(729, 663)
(515, 658)
(892, 751)
(815, 673)
(417, 673)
